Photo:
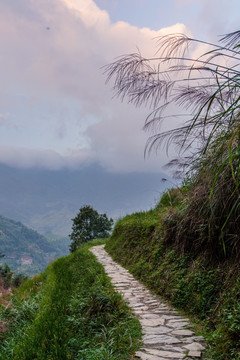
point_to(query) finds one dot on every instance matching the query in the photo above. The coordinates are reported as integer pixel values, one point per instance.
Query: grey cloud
(215, 18)
(47, 159)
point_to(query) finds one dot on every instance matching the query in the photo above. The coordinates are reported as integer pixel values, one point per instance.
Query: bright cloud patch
(54, 93)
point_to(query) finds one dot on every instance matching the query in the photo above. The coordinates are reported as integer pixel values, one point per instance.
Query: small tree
(88, 225)
(6, 274)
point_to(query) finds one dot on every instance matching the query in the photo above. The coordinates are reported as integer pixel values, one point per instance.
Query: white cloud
(89, 13)
(51, 54)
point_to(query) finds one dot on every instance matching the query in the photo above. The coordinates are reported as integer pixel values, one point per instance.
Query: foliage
(88, 225)
(69, 312)
(208, 219)
(18, 280)
(206, 288)
(6, 275)
(8, 279)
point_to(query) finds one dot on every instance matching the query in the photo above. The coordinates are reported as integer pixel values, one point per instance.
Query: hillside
(161, 248)
(25, 250)
(69, 312)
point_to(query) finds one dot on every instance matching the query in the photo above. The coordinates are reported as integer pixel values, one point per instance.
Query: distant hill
(47, 200)
(26, 251)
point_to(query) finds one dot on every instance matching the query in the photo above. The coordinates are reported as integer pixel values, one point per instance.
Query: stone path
(166, 334)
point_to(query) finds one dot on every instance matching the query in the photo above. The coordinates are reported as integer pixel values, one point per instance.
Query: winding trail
(166, 334)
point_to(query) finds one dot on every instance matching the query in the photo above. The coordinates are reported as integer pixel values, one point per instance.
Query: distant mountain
(25, 250)
(47, 200)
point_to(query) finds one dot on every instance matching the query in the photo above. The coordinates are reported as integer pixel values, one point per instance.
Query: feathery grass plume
(207, 88)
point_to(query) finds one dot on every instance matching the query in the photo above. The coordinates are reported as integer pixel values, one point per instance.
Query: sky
(56, 110)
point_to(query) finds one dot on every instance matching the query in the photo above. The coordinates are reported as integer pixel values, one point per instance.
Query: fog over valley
(47, 200)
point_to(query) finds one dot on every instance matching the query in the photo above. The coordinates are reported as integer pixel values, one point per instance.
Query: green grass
(208, 292)
(69, 312)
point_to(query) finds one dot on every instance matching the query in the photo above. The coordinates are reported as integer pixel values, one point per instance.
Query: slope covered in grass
(69, 312)
(204, 284)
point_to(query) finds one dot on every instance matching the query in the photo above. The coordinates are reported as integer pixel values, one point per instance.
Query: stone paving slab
(166, 334)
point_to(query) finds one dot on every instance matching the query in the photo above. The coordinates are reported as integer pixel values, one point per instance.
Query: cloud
(89, 13)
(49, 159)
(210, 19)
(51, 56)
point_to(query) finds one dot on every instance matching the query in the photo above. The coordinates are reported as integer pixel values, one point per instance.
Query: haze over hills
(47, 200)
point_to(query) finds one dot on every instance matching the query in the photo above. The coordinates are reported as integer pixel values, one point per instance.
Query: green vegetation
(25, 250)
(206, 287)
(69, 312)
(8, 279)
(188, 248)
(88, 225)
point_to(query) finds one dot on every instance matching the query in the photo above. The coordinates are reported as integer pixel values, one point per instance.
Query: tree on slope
(88, 225)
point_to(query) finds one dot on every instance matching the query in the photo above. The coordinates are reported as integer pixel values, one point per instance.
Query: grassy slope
(69, 312)
(209, 292)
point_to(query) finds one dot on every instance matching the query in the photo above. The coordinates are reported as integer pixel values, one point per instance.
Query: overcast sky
(55, 108)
